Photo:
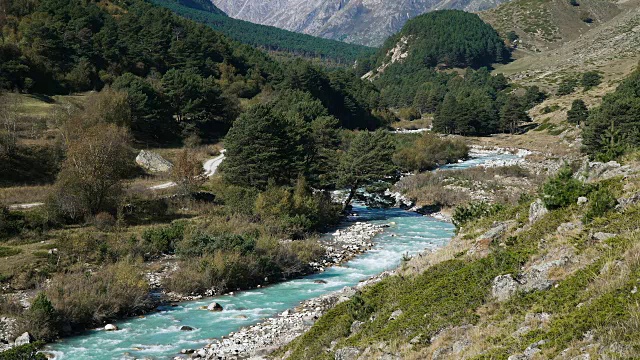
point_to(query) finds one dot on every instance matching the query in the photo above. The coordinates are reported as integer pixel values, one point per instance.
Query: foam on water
(158, 335)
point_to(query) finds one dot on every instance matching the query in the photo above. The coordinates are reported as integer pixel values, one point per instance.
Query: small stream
(158, 336)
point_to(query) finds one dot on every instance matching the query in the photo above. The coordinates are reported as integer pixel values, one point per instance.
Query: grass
(24, 194)
(8, 251)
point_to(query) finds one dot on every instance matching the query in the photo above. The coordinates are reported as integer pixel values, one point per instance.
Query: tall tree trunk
(352, 194)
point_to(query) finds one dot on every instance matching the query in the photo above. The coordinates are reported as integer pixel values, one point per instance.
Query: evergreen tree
(567, 86)
(367, 163)
(260, 149)
(43, 320)
(578, 113)
(512, 115)
(590, 80)
(613, 127)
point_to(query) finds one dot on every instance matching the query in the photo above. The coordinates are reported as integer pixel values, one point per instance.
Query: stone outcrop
(153, 162)
(537, 211)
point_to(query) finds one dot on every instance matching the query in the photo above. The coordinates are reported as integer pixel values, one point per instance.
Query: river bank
(159, 335)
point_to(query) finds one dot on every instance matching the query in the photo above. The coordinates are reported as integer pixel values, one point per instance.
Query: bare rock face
(153, 162)
(366, 22)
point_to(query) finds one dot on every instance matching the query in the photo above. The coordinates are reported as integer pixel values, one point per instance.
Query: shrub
(42, 319)
(88, 299)
(600, 202)
(567, 86)
(24, 352)
(428, 151)
(202, 244)
(462, 215)
(563, 189)
(141, 210)
(104, 221)
(591, 79)
(586, 17)
(163, 240)
(409, 114)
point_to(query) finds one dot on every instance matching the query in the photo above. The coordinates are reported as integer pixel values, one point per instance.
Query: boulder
(496, 231)
(569, 227)
(602, 236)
(186, 328)
(110, 327)
(319, 282)
(396, 314)
(504, 286)
(582, 200)
(24, 339)
(537, 210)
(214, 307)
(348, 353)
(356, 326)
(153, 162)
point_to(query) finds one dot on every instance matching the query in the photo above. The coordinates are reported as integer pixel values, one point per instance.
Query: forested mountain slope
(367, 22)
(266, 37)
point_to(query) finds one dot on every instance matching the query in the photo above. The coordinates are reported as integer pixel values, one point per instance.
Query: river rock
(110, 327)
(186, 328)
(153, 162)
(319, 282)
(537, 210)
(214, 307)
(24, 339)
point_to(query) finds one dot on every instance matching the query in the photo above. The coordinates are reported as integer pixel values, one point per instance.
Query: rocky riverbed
(265, 337)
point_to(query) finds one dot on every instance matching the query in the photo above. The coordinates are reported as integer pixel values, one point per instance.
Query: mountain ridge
(365, 22)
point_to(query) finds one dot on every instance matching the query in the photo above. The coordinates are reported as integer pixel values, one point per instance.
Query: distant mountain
(267, 37)
(366, 22)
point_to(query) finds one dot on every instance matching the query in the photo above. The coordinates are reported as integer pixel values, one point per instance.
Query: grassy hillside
(267, 37)
(575, 293)
(547, 24)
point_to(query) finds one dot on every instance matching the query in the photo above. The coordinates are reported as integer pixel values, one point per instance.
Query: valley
(176, 183)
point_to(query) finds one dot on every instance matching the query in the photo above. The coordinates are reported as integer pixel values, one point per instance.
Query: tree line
(268, 37)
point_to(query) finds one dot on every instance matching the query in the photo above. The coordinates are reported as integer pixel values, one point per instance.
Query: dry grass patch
(24, 194)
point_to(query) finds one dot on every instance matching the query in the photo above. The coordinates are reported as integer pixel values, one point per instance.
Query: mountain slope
(547, 24)
(609, 46)
(367, 22)
(266, 37)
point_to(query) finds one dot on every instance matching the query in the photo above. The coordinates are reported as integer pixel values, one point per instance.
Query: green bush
(24, 352)
(567, 86)
(600, 202)
(42, 319)
(563, 189)
(462, 215)
(591, 79)
(163, 240)
(204, 244)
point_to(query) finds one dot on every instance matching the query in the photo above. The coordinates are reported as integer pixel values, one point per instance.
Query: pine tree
(578, 113)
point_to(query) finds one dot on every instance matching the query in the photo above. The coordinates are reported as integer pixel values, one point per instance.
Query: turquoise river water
(158, 335)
